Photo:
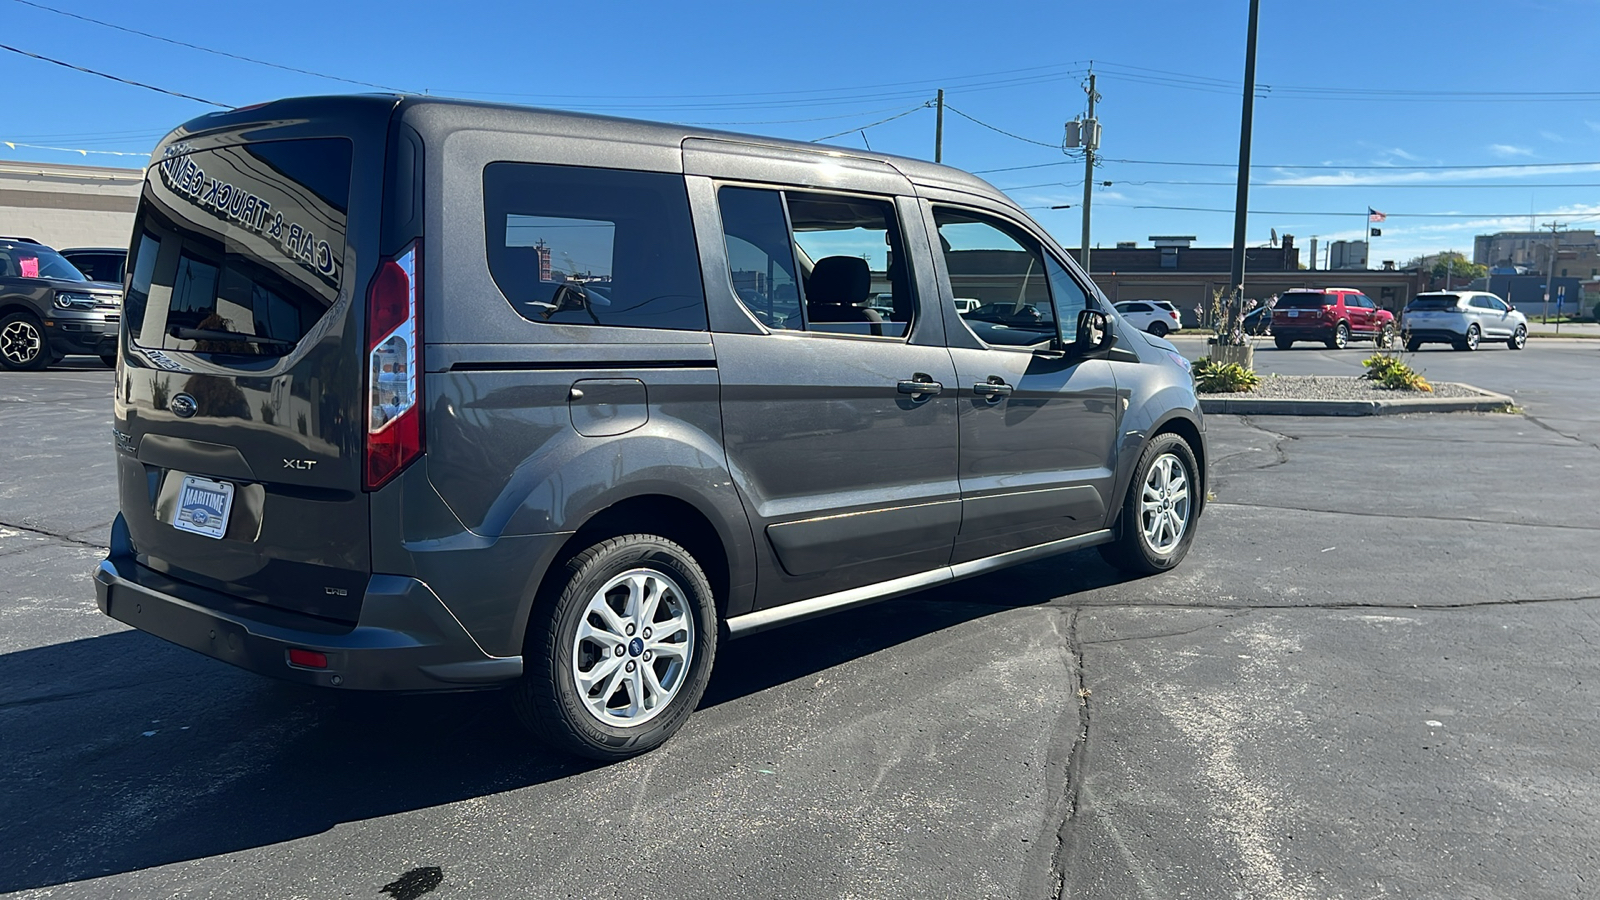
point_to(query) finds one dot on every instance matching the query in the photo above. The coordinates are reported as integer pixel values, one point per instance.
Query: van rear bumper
(405, 640)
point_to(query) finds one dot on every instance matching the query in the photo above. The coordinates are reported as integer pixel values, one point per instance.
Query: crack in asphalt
(1166, 634)
(64, 538)
(1245, 606)
(1045, 872)
(1398, 516)
(1556, 431)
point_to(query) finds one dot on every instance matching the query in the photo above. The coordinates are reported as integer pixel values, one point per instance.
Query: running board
(760, 620)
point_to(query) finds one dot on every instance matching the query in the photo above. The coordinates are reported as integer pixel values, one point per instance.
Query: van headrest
(839, 279)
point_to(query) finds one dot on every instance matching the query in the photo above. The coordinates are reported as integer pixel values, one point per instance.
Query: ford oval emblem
(184, 406)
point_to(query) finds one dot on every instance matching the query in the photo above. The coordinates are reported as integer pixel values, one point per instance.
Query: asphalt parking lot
(1375, 676)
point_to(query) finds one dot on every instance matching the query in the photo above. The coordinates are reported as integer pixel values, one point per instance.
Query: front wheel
(1159, 329)
(1341, 337)
(110, 360)
(620, 657)
(23, 345)
(1519, 338)
(1159, 512)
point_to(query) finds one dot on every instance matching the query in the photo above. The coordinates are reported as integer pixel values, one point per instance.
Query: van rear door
(240, 405)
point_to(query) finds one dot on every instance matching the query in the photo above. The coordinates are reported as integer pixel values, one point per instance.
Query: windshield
(20, 260)
(1303, 300)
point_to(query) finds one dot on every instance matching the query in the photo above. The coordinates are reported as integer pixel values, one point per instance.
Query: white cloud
(1434, 176)
(1593, 125)
(1509, 150)
(1552, 137)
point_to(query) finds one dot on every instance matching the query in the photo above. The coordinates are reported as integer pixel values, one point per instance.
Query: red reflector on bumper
(310, 659)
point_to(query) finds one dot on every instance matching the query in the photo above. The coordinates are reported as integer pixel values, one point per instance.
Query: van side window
(581, 246)
(1004, 270)
(818, 262)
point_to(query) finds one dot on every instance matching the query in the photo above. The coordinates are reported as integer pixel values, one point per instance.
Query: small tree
(1456, 266)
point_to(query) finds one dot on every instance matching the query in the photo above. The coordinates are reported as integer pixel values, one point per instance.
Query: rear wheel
(1519, 338)
(1413, 344)
(1385, 338)
(1470, 340)
(1159, 329)
(1158, 514)
(1282, 343)
(618, 659)
(1341, 337)
(110, 359)
(23, 345)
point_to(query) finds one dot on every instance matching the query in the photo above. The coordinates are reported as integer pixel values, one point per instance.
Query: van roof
(532, 120)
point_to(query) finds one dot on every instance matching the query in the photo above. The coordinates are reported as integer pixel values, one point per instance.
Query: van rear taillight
(394, 384)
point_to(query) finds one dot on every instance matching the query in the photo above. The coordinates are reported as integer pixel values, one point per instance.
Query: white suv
(1462, 319)
(1155, 316)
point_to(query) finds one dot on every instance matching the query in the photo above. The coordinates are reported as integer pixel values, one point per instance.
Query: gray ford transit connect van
(416, 394)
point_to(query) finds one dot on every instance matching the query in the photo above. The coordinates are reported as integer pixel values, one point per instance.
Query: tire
(1282, 343)
(23, 345)
(625, 711)
(1341, 337)
(1519, 338)
(1136, 550)
(110, 360)
(1413, 345)
(1470, 341)
(1385, 338)
(1159, 329)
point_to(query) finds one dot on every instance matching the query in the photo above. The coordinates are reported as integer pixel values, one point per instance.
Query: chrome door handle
(993, 390)
(919, 385)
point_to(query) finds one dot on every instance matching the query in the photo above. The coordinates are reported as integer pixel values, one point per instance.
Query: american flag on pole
(1375, 216)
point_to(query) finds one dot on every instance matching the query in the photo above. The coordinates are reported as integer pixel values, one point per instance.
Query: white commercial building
(68, 206)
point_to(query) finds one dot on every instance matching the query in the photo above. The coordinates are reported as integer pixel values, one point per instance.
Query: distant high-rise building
(1579, 251)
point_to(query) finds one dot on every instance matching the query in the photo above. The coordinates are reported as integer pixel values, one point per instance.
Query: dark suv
(49, 309)
(426, 395)
(1331, 316)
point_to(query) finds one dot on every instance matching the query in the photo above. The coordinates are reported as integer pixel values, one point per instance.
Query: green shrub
(1230, 378)
(1389, 372)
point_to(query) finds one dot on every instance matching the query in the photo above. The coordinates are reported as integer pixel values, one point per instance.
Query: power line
(157, 37)
(148, 87)
(1000, 130)
(1341, 213)
(1361, 184)
(15, 144)
(1316, 166)
(873, 125)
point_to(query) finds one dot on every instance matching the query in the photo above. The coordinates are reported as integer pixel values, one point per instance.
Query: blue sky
(1372, 98)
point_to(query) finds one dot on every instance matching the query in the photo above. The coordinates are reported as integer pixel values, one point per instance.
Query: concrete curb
(1487, 401)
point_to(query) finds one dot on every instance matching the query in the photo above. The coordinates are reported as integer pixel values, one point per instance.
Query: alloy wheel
(21, 343)
(1164, 504)
(633, 646)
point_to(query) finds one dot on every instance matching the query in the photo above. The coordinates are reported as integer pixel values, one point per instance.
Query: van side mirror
(1094, 332)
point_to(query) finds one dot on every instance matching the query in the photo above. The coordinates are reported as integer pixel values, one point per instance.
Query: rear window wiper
(205, 334)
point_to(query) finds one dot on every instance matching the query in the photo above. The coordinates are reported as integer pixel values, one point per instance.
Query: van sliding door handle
(917, 386)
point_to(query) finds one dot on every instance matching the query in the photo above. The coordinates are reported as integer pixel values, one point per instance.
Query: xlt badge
(304, 464)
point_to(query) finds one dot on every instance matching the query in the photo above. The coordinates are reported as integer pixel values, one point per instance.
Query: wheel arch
(669, 516)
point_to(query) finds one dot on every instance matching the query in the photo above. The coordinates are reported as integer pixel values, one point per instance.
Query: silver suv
(1462, 319)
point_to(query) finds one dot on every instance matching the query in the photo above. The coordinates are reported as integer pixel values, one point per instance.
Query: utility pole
(1091, 143)
(1242, 202)
(938, 129)
(1550, 277)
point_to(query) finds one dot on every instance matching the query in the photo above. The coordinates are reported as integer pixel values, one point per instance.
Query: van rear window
(239, 250)
(580, 246)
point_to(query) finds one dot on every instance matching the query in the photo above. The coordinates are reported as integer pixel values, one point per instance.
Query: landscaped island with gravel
(1338, 387)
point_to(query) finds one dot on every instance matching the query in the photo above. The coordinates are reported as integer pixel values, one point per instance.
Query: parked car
(1155, 316)
(48, 309)
(1463, 319)
(576, 493)
(107, 264)
(1330, 316)
(1258, 321)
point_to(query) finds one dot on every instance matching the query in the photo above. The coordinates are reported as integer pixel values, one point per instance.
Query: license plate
(203, 506)
(1294, 313)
